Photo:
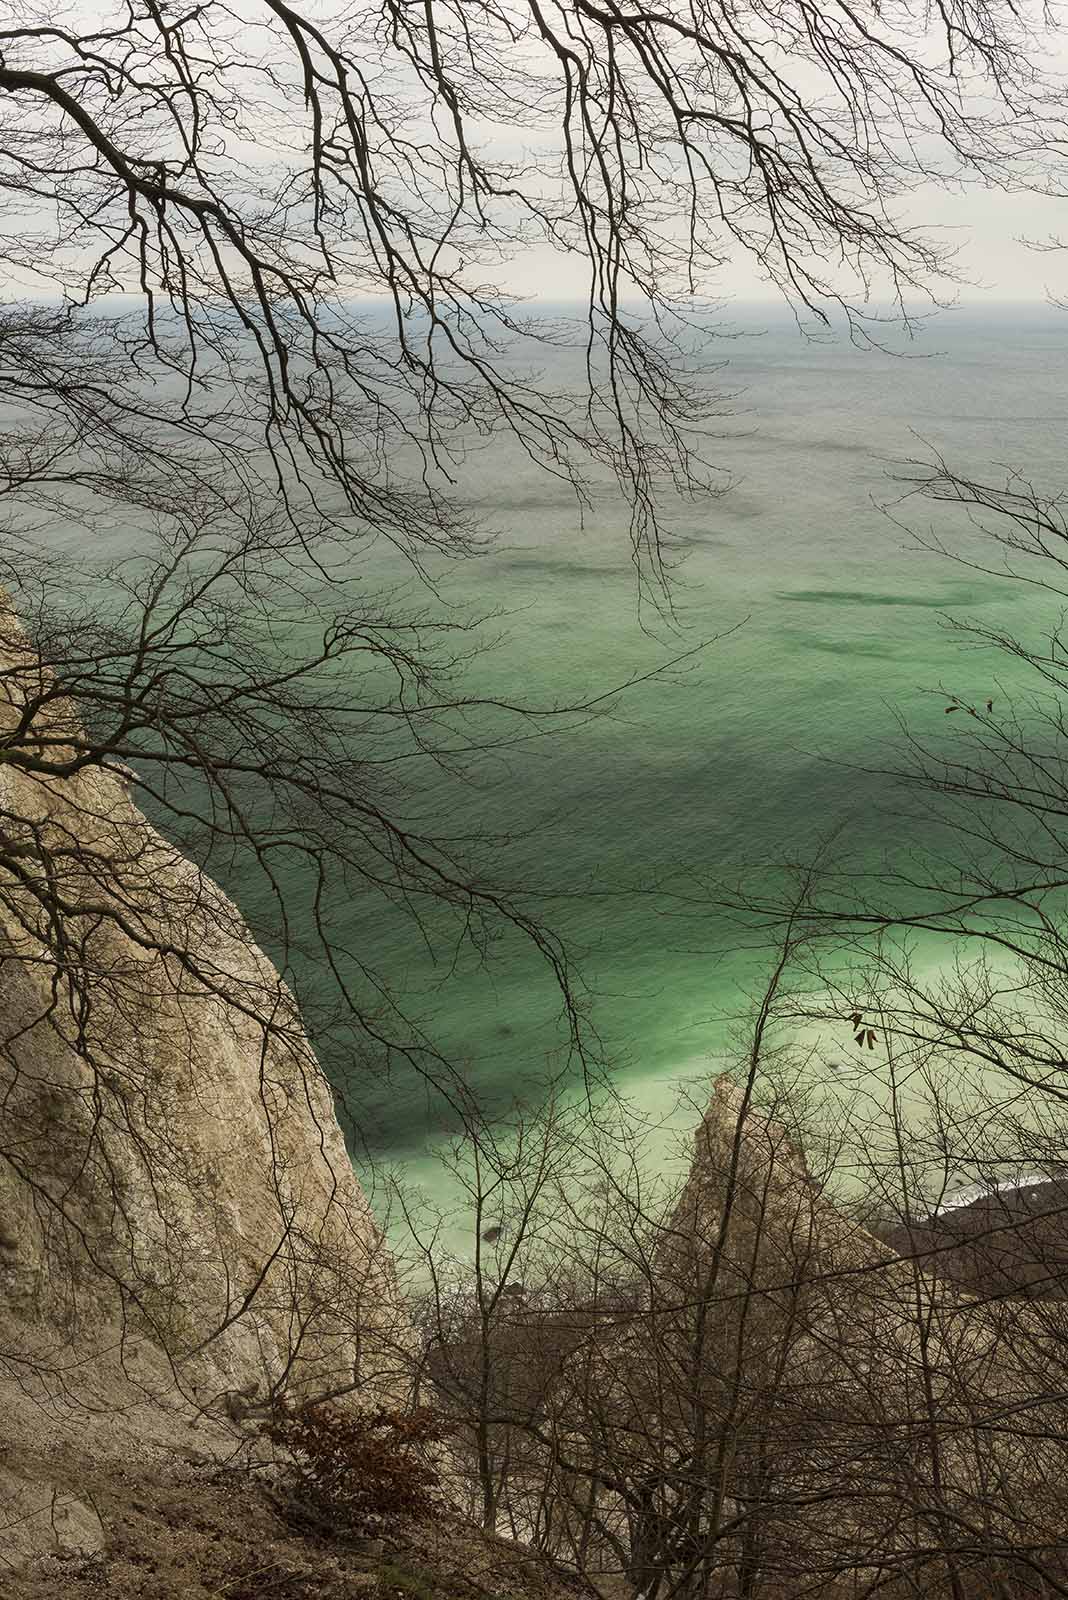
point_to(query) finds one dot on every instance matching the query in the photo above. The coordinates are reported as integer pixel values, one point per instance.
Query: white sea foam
(1019, 1182)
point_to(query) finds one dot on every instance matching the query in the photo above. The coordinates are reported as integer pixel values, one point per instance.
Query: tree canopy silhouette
(256, 264)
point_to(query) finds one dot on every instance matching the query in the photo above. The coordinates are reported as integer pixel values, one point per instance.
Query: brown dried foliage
(357, 1470)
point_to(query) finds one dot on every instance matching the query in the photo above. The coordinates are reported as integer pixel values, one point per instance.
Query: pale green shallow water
(740, 758)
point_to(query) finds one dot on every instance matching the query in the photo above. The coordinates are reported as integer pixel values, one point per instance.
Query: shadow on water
(866, 597)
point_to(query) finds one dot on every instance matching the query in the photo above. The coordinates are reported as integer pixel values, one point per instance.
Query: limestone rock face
(751, 1201)
(879, 1388)
(181, 1230)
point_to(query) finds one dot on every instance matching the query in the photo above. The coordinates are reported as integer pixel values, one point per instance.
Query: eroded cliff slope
(181, 1230)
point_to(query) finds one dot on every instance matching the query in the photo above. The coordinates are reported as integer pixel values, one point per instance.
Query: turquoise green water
(755, 750)
(833, 627)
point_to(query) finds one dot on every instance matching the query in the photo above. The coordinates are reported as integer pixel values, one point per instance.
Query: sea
(812, 626)
(832, 629)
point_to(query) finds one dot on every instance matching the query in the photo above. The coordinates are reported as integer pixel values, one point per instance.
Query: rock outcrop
(889, 1397)
(750, 1200)
(774, 1402)
(181, 1230)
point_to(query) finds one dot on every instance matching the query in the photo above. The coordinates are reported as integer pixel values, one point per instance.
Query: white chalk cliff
(181, 1229)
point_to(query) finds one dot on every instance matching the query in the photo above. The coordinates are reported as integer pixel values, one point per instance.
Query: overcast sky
(986, 227)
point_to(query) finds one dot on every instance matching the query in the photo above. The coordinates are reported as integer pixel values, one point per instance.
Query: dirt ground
(187, 1530)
